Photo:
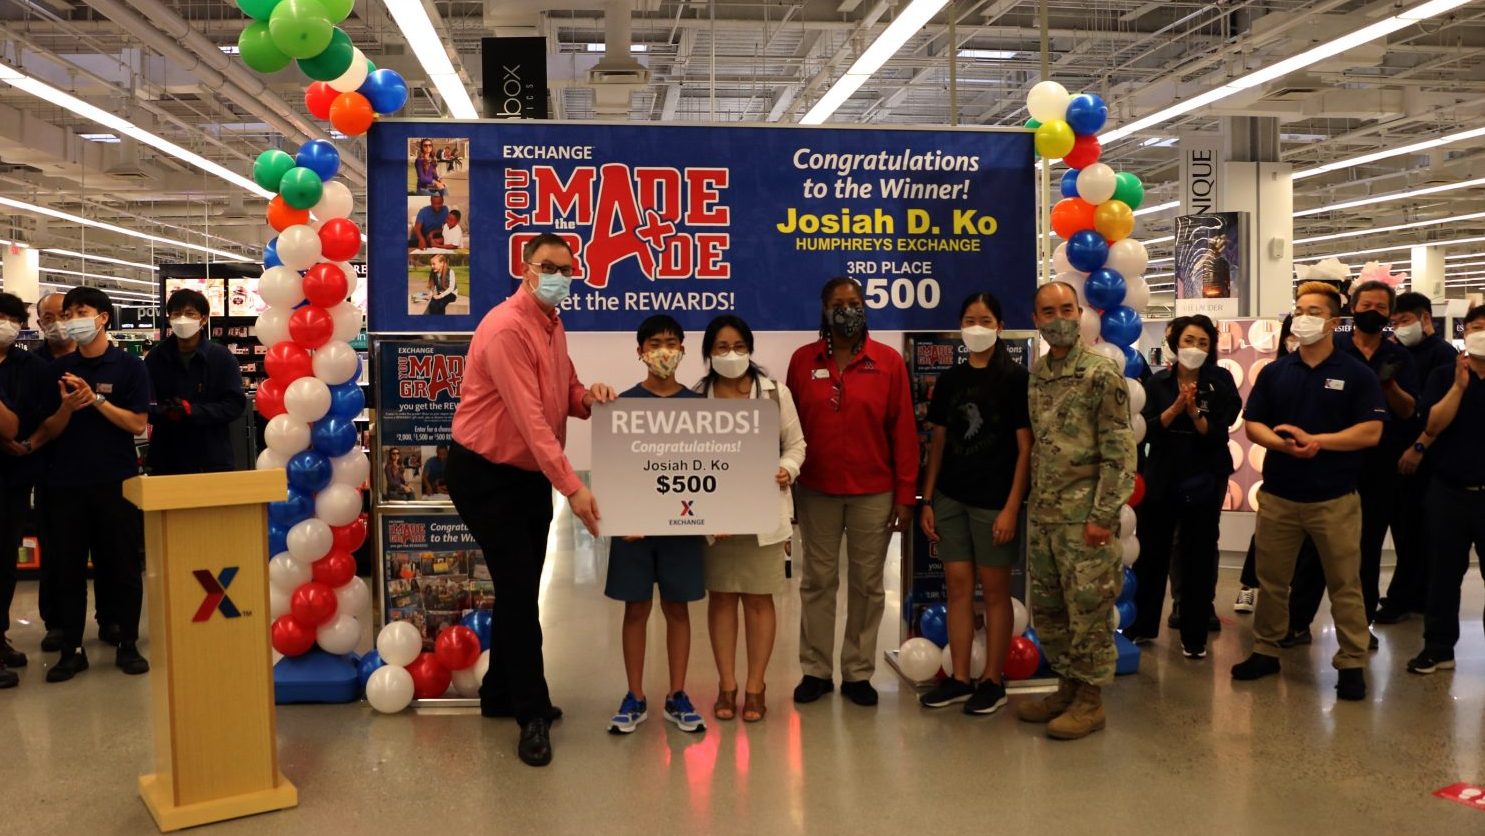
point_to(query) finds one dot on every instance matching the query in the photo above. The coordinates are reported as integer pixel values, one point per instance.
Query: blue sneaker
(632, 712)
(678, 710)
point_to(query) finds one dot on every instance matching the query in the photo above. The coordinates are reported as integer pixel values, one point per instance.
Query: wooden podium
(216, 756)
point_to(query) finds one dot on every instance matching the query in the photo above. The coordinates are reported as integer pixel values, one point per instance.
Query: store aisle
(1185, 750)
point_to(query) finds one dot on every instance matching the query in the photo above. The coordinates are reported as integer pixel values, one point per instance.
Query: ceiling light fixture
(1412, 148)
(1373, 230)
(133, 233)
(417, 29)
(1159, 207)
(1449, 243)
(907, 24)
(989, 54)
(82, 275)
(1387, 198)
(86, 257)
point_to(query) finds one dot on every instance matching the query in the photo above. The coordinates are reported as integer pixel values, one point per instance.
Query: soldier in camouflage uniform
(1082, 471)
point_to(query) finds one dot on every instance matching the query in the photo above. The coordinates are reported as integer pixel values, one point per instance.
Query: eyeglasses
(548, 267)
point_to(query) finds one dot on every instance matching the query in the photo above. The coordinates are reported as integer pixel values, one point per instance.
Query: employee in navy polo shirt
(198, 392)
(1315, 411)
(859, 483)
(18, 371)
(99, 404)
(1455, 444)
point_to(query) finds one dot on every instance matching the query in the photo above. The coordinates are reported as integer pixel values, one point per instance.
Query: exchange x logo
(216, 594)
(686, 509)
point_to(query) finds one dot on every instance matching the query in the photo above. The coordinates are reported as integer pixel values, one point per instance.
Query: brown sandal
(754, 708)
(726, 705)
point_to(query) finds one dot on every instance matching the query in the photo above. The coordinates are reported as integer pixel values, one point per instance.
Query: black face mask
(1371, 322)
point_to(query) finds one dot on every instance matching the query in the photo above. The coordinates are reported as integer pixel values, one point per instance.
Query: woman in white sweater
(747, 569)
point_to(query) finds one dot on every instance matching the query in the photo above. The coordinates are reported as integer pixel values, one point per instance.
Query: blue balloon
(367, 666)
(333, 436)
(1035, 639)
(385, 90)
(1134, 362)
(1070, 183)
(278, 539)
(270, 254)
(299, 507)
(479, 622)
(933, 624)
(309, 472)
(319, 156)
(1105, 288)
(1086, 252)
(1131, 585)
(1119, 325)
(1126, 614)
(1086, 113)
(346, 400)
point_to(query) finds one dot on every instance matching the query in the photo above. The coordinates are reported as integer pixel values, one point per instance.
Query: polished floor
(1187, 750)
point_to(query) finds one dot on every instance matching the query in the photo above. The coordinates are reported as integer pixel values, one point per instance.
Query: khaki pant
(1335, 526)
(823, 519)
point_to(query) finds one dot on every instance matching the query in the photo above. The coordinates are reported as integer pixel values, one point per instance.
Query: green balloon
(257, 9)
(337, 10)
(270, 167)
(1033, 124)
(300, 187)
(370, 66)
(333, 62)
(300, 28)
(258, 51)
(1129, 189)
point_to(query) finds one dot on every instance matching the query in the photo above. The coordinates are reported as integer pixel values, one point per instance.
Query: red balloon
(287, 362)
(311, 326)
(340, 240)
(430, 679)
(1071, 214)
(457, 647)
(1085, 152)
(1138, 495)
(350, 536)
(290, 637)
(318, 97)
(334, 569)
(270, 398)
(313, 604)
(1023, 659)
(325, 285)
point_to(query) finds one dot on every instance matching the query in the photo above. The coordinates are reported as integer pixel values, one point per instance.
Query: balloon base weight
(1012, 686)
(316, 676)
(1129, 656)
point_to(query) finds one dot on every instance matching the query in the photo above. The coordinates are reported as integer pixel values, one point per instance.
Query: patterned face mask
(662, 362)
(847, 322)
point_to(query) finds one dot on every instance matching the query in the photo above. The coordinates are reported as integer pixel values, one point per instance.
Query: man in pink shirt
(509, 431)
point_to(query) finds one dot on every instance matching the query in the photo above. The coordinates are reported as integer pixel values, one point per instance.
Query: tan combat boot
(1049, 707)
(1082, 718)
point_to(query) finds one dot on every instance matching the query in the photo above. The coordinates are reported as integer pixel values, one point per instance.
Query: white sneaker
(1245, 599)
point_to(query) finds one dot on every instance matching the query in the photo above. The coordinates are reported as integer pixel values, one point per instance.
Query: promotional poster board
(1210, 273)
(696, 221)
(418, 386)
(432, 570)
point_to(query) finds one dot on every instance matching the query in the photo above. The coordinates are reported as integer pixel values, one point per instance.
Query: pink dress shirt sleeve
(522, 397)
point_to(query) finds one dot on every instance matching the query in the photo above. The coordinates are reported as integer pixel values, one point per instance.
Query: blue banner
(696, 221)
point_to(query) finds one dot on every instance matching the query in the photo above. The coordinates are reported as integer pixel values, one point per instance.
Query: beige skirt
(739, 564)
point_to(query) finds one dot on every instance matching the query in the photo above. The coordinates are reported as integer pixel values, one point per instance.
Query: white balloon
(482, 667)
(1131, 547)
(287, 574)
(354, 75)
(347, 322)
(1127, 257)
(286, 435)
(338, 505)
(281, 287)
(918, 659)
(1060, 264)
(466, 682)
(272, 326)
(1047, 101)
(977, 658)
(1020, 618)
(339, 635)
(1126, 523)
(271, 459)
(335, 363)
(1111, 351)
(310, 540)
(1137, 293)
(298, 247)
(352, 469)
(1089, 326)
(276, 655)
(390, 689)
(1076, 280)
(399, 643)
(352, 281)
(307, 399)
(1137, 423)
(335, 202)
(1096, 183)
(353, 598)
(1136, 396)
(278, 602)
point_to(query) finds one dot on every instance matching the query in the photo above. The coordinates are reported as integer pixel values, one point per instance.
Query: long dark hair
(709, 341)
(829, 290)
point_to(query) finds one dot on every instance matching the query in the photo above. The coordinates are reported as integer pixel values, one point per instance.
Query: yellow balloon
(1055, 139)
(1114, 220)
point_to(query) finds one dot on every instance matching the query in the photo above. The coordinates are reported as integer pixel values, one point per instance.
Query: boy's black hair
(455, 213)
(1414, 303)
(1477, 312)
(660, 324)
(187, 298)
(93, 298)
(13, 307)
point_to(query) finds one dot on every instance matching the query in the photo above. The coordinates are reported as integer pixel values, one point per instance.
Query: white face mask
(54, 334)
(1191, 358)
(1474, 344)
(1410, 334)
(978, 338)
(732, 365)
(81, 329)
(1308, 329)
(8, 332)
(185, 328)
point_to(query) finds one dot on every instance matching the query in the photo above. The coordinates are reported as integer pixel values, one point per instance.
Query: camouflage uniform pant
(1073, 590)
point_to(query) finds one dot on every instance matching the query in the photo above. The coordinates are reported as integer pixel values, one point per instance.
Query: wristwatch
(98, 398)
(1419, 448)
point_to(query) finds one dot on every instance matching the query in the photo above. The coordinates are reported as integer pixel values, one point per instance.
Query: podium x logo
(216, 594)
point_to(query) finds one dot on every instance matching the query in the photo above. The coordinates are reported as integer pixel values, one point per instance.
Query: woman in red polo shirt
(859, 482)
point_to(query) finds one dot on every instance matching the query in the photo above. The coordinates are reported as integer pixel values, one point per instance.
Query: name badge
(1332, 383)
(105, 388)
(821, 374)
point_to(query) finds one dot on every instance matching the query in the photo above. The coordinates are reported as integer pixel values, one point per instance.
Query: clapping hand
(1301, 444)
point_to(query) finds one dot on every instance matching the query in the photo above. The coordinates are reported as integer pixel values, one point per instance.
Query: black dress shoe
(1388, 614)
(1373, 643)
(812, 688)
(128, 660)
(1351, 684)
(52, 641)
(9, 656)
(860, 693)
(110, 634)
(535, 748)
(70, 665)
(8, 678)
(1255, 666)
(1295, 638)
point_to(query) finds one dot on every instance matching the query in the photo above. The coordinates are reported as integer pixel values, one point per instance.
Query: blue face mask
(81, 329)
(552, 288)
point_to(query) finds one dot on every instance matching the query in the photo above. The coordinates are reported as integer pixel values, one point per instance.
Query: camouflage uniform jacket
(1082, 462)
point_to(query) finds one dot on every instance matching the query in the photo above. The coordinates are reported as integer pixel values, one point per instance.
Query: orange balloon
(351, 114)
(281, 215)
(1114, 220)
(1071, 214)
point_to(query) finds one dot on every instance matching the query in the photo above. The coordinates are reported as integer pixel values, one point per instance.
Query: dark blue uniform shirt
(1457, 456)
(211, 382)
(1399, 433)
(24, 378)
(92, 450)
(1430, 353)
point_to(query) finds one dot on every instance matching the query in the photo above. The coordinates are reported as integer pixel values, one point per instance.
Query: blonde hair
(1321, 289)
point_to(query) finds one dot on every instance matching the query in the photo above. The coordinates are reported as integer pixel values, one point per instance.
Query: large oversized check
(686, 466)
